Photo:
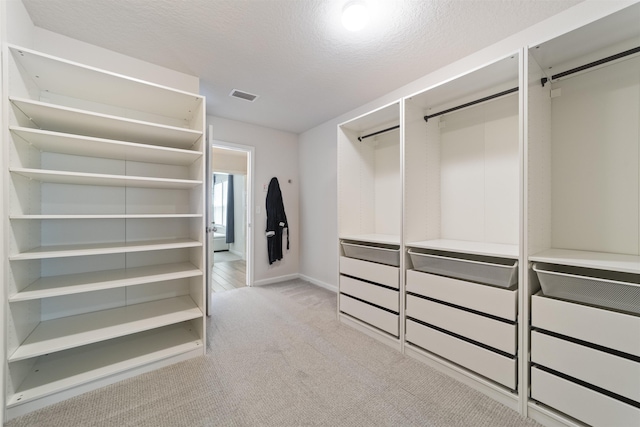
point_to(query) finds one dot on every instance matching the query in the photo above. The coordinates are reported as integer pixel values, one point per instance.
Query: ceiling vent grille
(243, 95)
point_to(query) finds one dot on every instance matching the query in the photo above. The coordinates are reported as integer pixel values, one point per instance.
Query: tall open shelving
(583, 160)
(105, 226)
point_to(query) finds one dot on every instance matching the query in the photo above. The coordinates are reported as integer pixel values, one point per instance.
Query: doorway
(229, 217)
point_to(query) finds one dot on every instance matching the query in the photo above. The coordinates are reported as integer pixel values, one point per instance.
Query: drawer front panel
(494, 333)
(378, 273)
(492, 365)
(610, 372)
(498, 302)
(603, 327)
(582, 403)
(379, 318)
(374, 294)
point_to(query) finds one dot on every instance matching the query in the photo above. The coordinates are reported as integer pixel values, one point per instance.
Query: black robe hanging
(276, 221)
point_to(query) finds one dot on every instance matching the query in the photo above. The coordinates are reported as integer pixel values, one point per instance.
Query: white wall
(318, 200)
(319, 204)
(276, 154)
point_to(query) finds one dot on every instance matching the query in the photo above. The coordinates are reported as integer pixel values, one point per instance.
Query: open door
(209, 215)
(220, 161)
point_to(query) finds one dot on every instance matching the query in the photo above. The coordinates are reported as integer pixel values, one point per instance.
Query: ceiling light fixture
(355, 15)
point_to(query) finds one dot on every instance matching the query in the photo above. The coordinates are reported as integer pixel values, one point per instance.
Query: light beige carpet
(278, 357)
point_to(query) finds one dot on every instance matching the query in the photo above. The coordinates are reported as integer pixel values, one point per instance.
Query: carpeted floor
(277, 356)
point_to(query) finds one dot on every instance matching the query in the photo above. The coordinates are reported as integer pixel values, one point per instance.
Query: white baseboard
(320, 283)
(276, 279)
(237, 253)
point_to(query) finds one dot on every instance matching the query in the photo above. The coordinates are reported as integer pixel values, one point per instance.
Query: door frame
(250, 151)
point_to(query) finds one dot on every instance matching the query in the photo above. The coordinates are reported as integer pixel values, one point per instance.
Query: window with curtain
(220, 187)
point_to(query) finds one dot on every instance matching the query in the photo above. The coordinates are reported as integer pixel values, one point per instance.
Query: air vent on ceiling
(243, 95)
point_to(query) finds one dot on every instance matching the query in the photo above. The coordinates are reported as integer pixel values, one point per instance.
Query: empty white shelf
(75, 331)
(66, 143)
(76, 80)
(72, 120)
(106, 216)
(61, 371)
(81, 178)
(387, 239)
(60, 251)
(467, 247)
(68, 284)
(597, 260)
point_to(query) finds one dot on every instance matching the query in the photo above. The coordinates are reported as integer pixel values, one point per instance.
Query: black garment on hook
(276, 221)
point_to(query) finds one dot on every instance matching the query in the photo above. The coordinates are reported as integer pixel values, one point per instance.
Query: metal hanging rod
(360, 138)
(544, 80)
(469, 104)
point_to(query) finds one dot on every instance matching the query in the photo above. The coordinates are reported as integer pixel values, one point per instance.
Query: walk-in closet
(105, 227)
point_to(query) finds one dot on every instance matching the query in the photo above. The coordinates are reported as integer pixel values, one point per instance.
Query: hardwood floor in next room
(229, 272)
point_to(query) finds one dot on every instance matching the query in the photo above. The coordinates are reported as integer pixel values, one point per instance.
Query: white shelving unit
(583, 197)
(105, 227)
(462, 203)
(370, 220)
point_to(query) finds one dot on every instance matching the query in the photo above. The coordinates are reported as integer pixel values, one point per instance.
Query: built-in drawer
(607, 328)
(494, 333)
(499, 368)
(378, 273)
(374, 316)
(605, 370)
(498, 302)
(378, 295)
(582, 403)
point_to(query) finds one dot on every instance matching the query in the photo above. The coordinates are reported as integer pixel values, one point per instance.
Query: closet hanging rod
(544, 80)
(360, 138)
(469, 104)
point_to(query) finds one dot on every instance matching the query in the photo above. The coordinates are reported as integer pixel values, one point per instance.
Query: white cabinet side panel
(538, 161)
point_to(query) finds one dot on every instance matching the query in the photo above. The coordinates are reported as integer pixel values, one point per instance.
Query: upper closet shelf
(475, 248)
(75, 331)
(82, 122)
(387, 239)
(54, 286)
(81, 178)
(61, 251)
(66, 143)
(598, 260)
(68, 78)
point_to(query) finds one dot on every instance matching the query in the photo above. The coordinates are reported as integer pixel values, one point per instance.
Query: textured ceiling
(294, 54)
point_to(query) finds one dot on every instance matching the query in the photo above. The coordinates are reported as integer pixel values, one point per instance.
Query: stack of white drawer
(586, 362)
(470, 324)
(369, 292)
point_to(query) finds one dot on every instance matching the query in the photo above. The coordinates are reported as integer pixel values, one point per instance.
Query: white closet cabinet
(584, 222)
(369, 223)
(461, 225)
(104, 232)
